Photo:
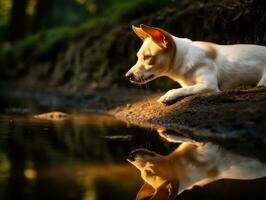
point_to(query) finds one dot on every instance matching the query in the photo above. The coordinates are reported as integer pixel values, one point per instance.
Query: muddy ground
(237, 110)
(233, 118)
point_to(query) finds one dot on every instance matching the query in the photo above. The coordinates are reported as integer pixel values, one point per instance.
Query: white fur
(227, 164)
(233, 65)
(230, 166)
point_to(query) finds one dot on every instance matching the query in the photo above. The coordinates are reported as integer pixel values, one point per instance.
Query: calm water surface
(80, 157)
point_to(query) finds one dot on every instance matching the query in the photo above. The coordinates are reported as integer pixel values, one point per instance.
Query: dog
(197, 66)
(191, 164)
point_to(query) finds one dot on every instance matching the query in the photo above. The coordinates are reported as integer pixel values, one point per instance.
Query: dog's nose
(130, 76)
(131, 157)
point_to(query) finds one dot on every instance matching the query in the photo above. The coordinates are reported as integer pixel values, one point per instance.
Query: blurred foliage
(66, 13)
(5, 6)
(125, 10)
(100, 49)
(4, 165)
(43, 15)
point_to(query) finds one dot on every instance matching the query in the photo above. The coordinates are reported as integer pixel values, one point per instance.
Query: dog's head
(155, 55)
(157, 173)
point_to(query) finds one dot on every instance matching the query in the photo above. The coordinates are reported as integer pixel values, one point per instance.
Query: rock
(53, 116)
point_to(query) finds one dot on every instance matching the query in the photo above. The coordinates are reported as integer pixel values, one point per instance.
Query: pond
(79, 156)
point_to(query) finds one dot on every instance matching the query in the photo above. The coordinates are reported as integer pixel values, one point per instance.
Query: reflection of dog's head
(155, 55)
(166, 176)
(158, 173)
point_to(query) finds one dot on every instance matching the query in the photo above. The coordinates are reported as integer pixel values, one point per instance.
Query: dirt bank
(236, 118)
(232, 117)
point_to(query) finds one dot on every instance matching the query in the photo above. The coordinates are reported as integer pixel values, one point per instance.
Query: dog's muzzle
(141, 152)
(133, 79)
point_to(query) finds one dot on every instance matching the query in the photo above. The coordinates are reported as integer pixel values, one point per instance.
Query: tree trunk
(41, 14)
(18, 25)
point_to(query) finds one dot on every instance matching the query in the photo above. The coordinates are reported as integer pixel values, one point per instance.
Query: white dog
(191, 164)
(196, 66)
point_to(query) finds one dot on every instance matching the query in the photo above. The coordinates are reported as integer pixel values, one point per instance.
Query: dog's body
(189, 165)
(196, 66)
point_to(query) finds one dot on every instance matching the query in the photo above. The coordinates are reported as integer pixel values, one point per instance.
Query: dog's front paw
(165, 134)
(174, 136)
(169, 98)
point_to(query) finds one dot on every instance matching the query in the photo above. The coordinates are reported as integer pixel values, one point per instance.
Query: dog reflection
(189, 165)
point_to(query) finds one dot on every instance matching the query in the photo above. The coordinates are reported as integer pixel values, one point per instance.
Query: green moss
(52, 37)
(27, 42)
(95, 21)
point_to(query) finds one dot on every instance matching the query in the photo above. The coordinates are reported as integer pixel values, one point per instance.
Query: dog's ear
(159, 36)
(139, 32)
(145, 191)
(167, 191)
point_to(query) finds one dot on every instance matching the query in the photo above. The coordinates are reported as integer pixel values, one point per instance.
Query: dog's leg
(167, 191)
(174, 136)
(206, 81)
(173, 95)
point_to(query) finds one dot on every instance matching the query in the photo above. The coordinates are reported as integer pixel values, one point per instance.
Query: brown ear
(167, 191)
(158, 35)
(139, 32)
(145, 191)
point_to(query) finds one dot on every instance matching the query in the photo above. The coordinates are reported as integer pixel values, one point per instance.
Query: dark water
(82, 157)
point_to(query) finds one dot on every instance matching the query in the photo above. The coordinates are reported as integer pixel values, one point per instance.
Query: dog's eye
(146, 57)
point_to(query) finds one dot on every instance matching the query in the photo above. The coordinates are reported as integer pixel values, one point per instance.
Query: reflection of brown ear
(168, 191)
(145, 191)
